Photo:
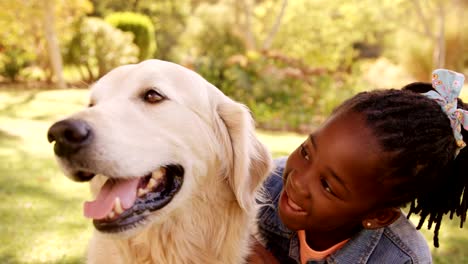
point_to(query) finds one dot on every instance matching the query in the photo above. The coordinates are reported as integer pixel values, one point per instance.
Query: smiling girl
(337, 197)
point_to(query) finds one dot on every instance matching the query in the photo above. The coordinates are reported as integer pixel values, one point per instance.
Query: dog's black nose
(70, 136)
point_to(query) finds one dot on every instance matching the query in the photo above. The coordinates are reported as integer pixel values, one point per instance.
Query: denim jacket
(398, 243)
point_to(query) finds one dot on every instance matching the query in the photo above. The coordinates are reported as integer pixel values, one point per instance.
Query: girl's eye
(153, 96)
(326, 186)
(304, 153)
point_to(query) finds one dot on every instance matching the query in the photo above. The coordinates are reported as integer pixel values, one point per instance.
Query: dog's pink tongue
(102, 206)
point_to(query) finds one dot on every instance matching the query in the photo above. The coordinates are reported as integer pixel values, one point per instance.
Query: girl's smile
(288, 204)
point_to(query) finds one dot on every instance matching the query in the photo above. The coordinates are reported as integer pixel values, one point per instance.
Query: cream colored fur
(212, 217)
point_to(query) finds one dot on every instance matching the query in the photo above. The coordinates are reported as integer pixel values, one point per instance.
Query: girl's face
(331, 180)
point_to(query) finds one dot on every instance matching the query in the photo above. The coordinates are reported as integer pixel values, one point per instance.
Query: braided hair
(423, 170)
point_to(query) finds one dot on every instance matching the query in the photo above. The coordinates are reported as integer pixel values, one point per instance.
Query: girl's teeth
(118, 206)
(294, 205)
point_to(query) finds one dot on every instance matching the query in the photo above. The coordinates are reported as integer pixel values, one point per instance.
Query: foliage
(12, 61)
(141, 27)
(329, 35)
(457, 50)
(416, 53)
(281, 97)
(288, 60)
(99, 45)
(168, 16)
(428, 35)
(416, 56)
(23, 24)
(283, 89)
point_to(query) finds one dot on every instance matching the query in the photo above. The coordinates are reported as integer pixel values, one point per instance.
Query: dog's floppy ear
(249, 160)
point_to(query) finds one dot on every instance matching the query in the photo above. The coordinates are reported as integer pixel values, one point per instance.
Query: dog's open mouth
(123, 203)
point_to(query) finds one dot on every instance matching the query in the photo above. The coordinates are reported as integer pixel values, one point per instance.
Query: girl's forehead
(349, 129)
(346, 145)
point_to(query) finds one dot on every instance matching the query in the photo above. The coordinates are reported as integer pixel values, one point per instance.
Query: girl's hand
(260, 255)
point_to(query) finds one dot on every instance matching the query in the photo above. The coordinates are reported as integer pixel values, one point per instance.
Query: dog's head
(152, 135)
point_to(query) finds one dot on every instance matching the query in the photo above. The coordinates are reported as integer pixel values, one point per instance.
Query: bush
(12, 61)
(280, 96)
(141, 27)
(283, 91)
(98, 44)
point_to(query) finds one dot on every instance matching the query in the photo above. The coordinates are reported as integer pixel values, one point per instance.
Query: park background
(289, 61)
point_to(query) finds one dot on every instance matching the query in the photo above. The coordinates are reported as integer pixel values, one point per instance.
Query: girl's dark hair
(423, 169)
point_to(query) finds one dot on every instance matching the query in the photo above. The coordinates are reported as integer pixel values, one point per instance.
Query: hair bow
(447, 85)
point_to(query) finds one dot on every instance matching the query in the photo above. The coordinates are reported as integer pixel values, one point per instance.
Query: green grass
(41, 210)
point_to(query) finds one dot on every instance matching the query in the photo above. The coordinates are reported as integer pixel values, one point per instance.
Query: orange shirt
(309, 254)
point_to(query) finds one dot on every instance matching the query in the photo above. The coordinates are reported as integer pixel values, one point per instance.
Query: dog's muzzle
(122, 203)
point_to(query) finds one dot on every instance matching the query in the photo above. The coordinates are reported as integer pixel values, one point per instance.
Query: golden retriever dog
(174, 165)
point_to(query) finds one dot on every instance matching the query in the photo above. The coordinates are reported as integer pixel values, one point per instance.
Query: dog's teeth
(111, 215)
(158, 174)
(151, 184)
(118, 206)
(142, 192)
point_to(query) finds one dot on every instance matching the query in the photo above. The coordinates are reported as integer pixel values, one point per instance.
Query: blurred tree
(103, 7)
(433, 12)
(169, 18)
(269, 17)
(12, 61)
(26, 24)
(426, 19)
(52, 43)
(97, 44)
(321, 33)
(274, 55)
(431, 34)
(324, 33)
(15, 36)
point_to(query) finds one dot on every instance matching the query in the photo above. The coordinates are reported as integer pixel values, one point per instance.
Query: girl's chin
(290, 216)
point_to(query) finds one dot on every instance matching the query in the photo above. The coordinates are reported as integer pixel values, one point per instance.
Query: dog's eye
(152, 96)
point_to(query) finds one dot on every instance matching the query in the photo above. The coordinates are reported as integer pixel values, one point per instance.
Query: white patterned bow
(448, 85)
